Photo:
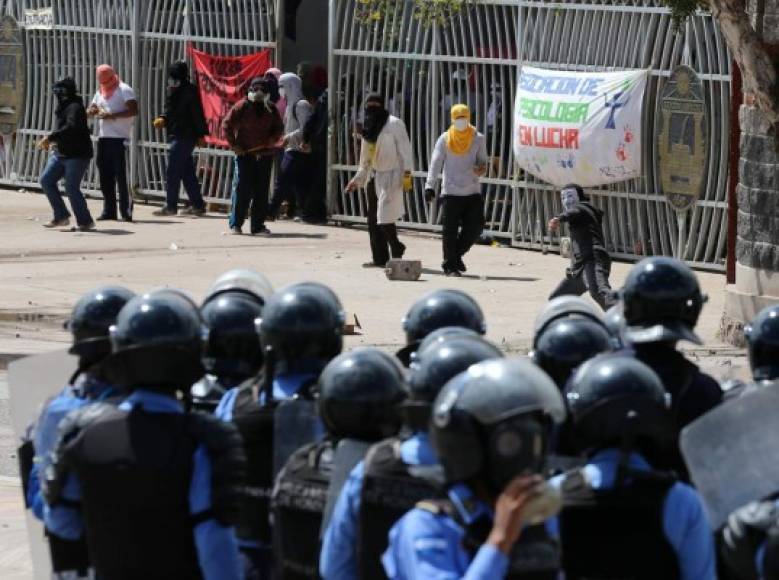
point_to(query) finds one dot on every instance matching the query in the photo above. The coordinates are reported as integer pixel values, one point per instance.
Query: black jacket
(72, 135)
(315, 131)
(184, 118)
(586, 224)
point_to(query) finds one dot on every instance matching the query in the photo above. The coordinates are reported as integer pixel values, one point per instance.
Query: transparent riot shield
(732, 452)
(295, 424)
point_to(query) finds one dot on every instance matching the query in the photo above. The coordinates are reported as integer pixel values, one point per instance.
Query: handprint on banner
(566, 162)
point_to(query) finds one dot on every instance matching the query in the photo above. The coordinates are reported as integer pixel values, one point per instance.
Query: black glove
(745, 532)
(429, 195)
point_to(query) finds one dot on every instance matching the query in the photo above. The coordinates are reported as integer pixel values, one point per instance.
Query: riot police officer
(232, 351)
(436, 310)
(615, 322)
(490, 429)
(662, 301)
(155, 489)
(300, 332)
(621, 518)
(89, 322)
(359, 394)
(399, 471)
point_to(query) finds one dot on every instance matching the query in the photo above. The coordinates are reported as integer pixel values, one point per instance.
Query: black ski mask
(376, 117)
(64, 90)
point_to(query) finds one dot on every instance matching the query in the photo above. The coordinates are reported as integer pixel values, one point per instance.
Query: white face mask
(569, 197)
(461, 124)
(282, 92)
(252, 96)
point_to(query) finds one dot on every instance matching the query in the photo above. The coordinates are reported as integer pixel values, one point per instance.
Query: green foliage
(428, 12)
(682, 9)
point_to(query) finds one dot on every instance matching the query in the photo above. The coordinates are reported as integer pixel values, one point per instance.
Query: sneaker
(104, 217)
(461, 265)
(236, 231)
(91, 226)
(451, 272)
(57, 223)
(373, 265)
(165, 211)
(194, 211)
(127, 218)
(262, 231)
(297, 219)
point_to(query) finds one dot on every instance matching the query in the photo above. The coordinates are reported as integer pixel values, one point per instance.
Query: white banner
(576, 127)
(42, 19)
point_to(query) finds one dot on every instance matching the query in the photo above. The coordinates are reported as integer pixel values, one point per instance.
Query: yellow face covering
(459, 141)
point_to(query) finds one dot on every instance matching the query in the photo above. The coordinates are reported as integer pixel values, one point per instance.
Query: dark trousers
(384, 237)
(113, 172)
(592, 276)
(181, 168)
(316, 206)
(462, 218)
(251, 182)
(292, 183)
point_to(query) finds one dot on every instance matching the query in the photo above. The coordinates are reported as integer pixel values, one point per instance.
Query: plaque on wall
(12, 75)
(682, 140)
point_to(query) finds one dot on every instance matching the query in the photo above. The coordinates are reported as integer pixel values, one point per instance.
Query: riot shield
(295, 424)
(732, 452)
(32, 380)
(348, 454)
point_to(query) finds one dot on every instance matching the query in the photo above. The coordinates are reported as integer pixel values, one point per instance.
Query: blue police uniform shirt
(338, 560)
(216, 545)
(684, 520)
(86, 390)
(431, 546)
(285, 386)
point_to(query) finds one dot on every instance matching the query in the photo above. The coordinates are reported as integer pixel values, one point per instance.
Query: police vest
(135, 472)
(299, 499)
(388, 492)
(535, 556)
(616, 534)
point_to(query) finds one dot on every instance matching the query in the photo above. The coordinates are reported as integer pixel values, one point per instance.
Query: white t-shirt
(116, 128)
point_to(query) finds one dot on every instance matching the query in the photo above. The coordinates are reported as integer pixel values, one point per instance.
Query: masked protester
(70, 149)
(273, 75)
(116, 107)
(386, 162)
(461, 153)
(186, 127)
(252, 128)
(294, 179)
(590, 262)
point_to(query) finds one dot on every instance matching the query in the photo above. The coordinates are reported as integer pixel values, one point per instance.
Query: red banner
(223, 81)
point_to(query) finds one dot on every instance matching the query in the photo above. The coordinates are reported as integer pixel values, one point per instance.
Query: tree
(758, 71)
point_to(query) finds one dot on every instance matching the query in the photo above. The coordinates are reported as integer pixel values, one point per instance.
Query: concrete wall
(311, 42)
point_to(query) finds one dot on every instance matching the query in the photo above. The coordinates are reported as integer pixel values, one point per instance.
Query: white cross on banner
(577, 127)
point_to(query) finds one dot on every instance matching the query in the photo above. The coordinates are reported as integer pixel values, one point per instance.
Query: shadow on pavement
(108, 232)
(492, 278)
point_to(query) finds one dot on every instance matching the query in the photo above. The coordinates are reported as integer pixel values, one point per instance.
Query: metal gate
(476, 59)
(139, 38)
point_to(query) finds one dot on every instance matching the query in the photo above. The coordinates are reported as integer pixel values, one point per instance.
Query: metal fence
(139, 38)
(477, 58)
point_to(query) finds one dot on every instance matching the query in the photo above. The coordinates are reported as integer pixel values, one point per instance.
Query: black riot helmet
(359, 394)
(616, 399)
(436, 310)
(92, 317)
(442, 334)
(435, 366)
(232, 347)
(493, 422)
(762, 336)
(615, 322)
(662, 301)
(157, 343)
(243, 280)
(564, 307)
(567, 343)
(65, 88)
(302, 326)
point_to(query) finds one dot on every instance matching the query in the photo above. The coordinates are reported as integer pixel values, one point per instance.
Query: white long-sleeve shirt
(459, 178)
(393, 152)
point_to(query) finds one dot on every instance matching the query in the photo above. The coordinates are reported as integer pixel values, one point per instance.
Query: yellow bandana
(371, 153)
(459, 142)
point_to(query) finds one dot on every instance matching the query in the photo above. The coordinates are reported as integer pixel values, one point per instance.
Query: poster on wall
(223, 81)
(579, 127)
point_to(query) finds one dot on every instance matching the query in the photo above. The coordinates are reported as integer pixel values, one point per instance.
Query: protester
(461, 152)
(155, 488)
(590, 262)
(490, 429)
(70, 149)
(116, 107)
(622, 517)
(386, 162)
(273, 75)
(252, 129)
(315, 140)
(186, 128)
(294, 177)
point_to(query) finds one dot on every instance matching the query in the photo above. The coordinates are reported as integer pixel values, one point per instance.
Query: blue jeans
(73, 171)
(251, 182)
(181, 168)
